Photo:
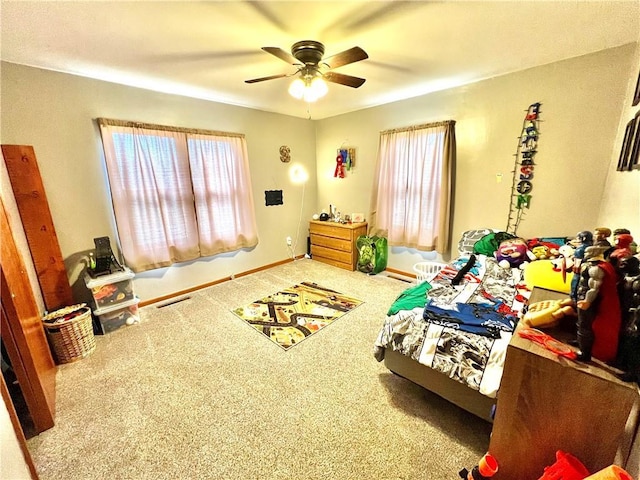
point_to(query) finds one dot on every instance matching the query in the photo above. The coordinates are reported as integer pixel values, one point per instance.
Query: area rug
(289, 316)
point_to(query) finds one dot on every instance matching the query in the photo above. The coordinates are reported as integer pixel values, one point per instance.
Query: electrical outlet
(289, 241)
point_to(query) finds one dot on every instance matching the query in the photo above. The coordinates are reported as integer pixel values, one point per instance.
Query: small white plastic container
(117, 316)
(110, 290)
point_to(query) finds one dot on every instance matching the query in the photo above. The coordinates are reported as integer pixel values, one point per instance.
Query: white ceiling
(207, 49)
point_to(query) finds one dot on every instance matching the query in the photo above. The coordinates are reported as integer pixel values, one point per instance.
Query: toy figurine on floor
(599, 315)
(583, 240)
(629, 350)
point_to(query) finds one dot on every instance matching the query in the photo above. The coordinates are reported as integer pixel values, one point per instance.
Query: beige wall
(56, 114)
(582, 100)
(620, 207)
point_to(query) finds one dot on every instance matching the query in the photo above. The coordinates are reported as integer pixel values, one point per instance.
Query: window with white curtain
(177, 194)
(412, 190)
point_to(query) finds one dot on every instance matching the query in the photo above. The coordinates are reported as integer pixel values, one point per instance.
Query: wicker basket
(426, 271)
(70, 333)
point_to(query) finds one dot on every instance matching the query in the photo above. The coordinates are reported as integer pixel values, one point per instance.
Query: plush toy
(541, 252)
(564, 262)
(546, 274)
(513, 253)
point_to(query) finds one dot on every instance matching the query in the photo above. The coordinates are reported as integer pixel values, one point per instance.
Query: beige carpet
(192, 392)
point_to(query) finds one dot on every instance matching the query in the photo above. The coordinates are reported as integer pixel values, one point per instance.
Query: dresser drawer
(330, 230)
(330, 242)
(318, 251)
(334, 263)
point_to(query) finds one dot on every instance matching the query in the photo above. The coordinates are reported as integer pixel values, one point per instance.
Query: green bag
(372, 254)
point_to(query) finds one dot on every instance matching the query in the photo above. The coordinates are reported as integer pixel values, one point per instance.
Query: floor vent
(173, 302)
(402, 279)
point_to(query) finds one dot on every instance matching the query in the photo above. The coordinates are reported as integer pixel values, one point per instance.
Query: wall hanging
(285, 154)
(523, 172)
(344, 161)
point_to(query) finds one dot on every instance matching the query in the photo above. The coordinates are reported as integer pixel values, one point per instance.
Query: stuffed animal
(513, 253)
(541, 252)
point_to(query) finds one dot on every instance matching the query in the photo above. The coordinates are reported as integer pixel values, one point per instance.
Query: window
(177, 194)
(412, 187)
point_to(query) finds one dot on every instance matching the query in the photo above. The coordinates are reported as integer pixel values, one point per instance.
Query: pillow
(488, 244)
(469, 238)
(543, 274)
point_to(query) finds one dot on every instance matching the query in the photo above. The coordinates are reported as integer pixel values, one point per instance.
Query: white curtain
(152, 195)
(176, 195)
(223, 195)
(411, 200)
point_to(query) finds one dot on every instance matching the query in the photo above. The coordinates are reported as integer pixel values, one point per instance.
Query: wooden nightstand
(335, 243)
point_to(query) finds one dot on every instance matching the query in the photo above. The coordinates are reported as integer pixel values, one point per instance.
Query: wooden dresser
(547, 403)
(335, 243)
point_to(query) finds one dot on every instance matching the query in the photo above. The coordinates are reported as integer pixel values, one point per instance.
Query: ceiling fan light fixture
(308, 89)
(297, 87)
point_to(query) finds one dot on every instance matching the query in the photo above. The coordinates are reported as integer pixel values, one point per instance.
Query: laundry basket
(426, 271)
(70, 333)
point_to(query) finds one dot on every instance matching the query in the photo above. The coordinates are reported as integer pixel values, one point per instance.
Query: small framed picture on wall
(634, 157)
(630, 151)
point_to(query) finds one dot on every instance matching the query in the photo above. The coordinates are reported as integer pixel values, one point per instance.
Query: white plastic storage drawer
(112, 289)
(112, 318)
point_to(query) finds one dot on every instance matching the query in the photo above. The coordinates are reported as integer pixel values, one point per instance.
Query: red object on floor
(612, 472)
(567, 467)
(488, 466)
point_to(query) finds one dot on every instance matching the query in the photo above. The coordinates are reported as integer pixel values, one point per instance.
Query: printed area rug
(291, 315)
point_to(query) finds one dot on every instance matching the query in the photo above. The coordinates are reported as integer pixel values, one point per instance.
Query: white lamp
(298, 174)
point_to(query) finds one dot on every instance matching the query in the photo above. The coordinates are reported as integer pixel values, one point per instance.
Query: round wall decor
(285, 154)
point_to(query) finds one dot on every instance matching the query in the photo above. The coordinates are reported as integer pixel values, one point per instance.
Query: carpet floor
(192, 392)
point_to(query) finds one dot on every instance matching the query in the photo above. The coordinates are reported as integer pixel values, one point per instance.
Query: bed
(450, 334)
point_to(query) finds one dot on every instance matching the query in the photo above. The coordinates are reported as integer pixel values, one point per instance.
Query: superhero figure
(629, 351)
(580, 243)
(622, 246)
(599, 315)
(601, 234)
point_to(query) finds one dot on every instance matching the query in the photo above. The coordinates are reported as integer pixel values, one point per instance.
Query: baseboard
(180, 293)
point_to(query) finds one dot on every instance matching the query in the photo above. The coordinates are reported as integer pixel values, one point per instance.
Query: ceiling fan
(307, 56)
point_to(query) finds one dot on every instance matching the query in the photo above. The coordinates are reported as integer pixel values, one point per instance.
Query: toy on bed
(514, 253)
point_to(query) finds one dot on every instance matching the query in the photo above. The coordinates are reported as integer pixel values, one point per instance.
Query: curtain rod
(420, 127)
(152, 126)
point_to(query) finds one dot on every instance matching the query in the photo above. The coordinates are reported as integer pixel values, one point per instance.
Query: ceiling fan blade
(352, 55)
(282, 55)
(271, 77)
(343, 79)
